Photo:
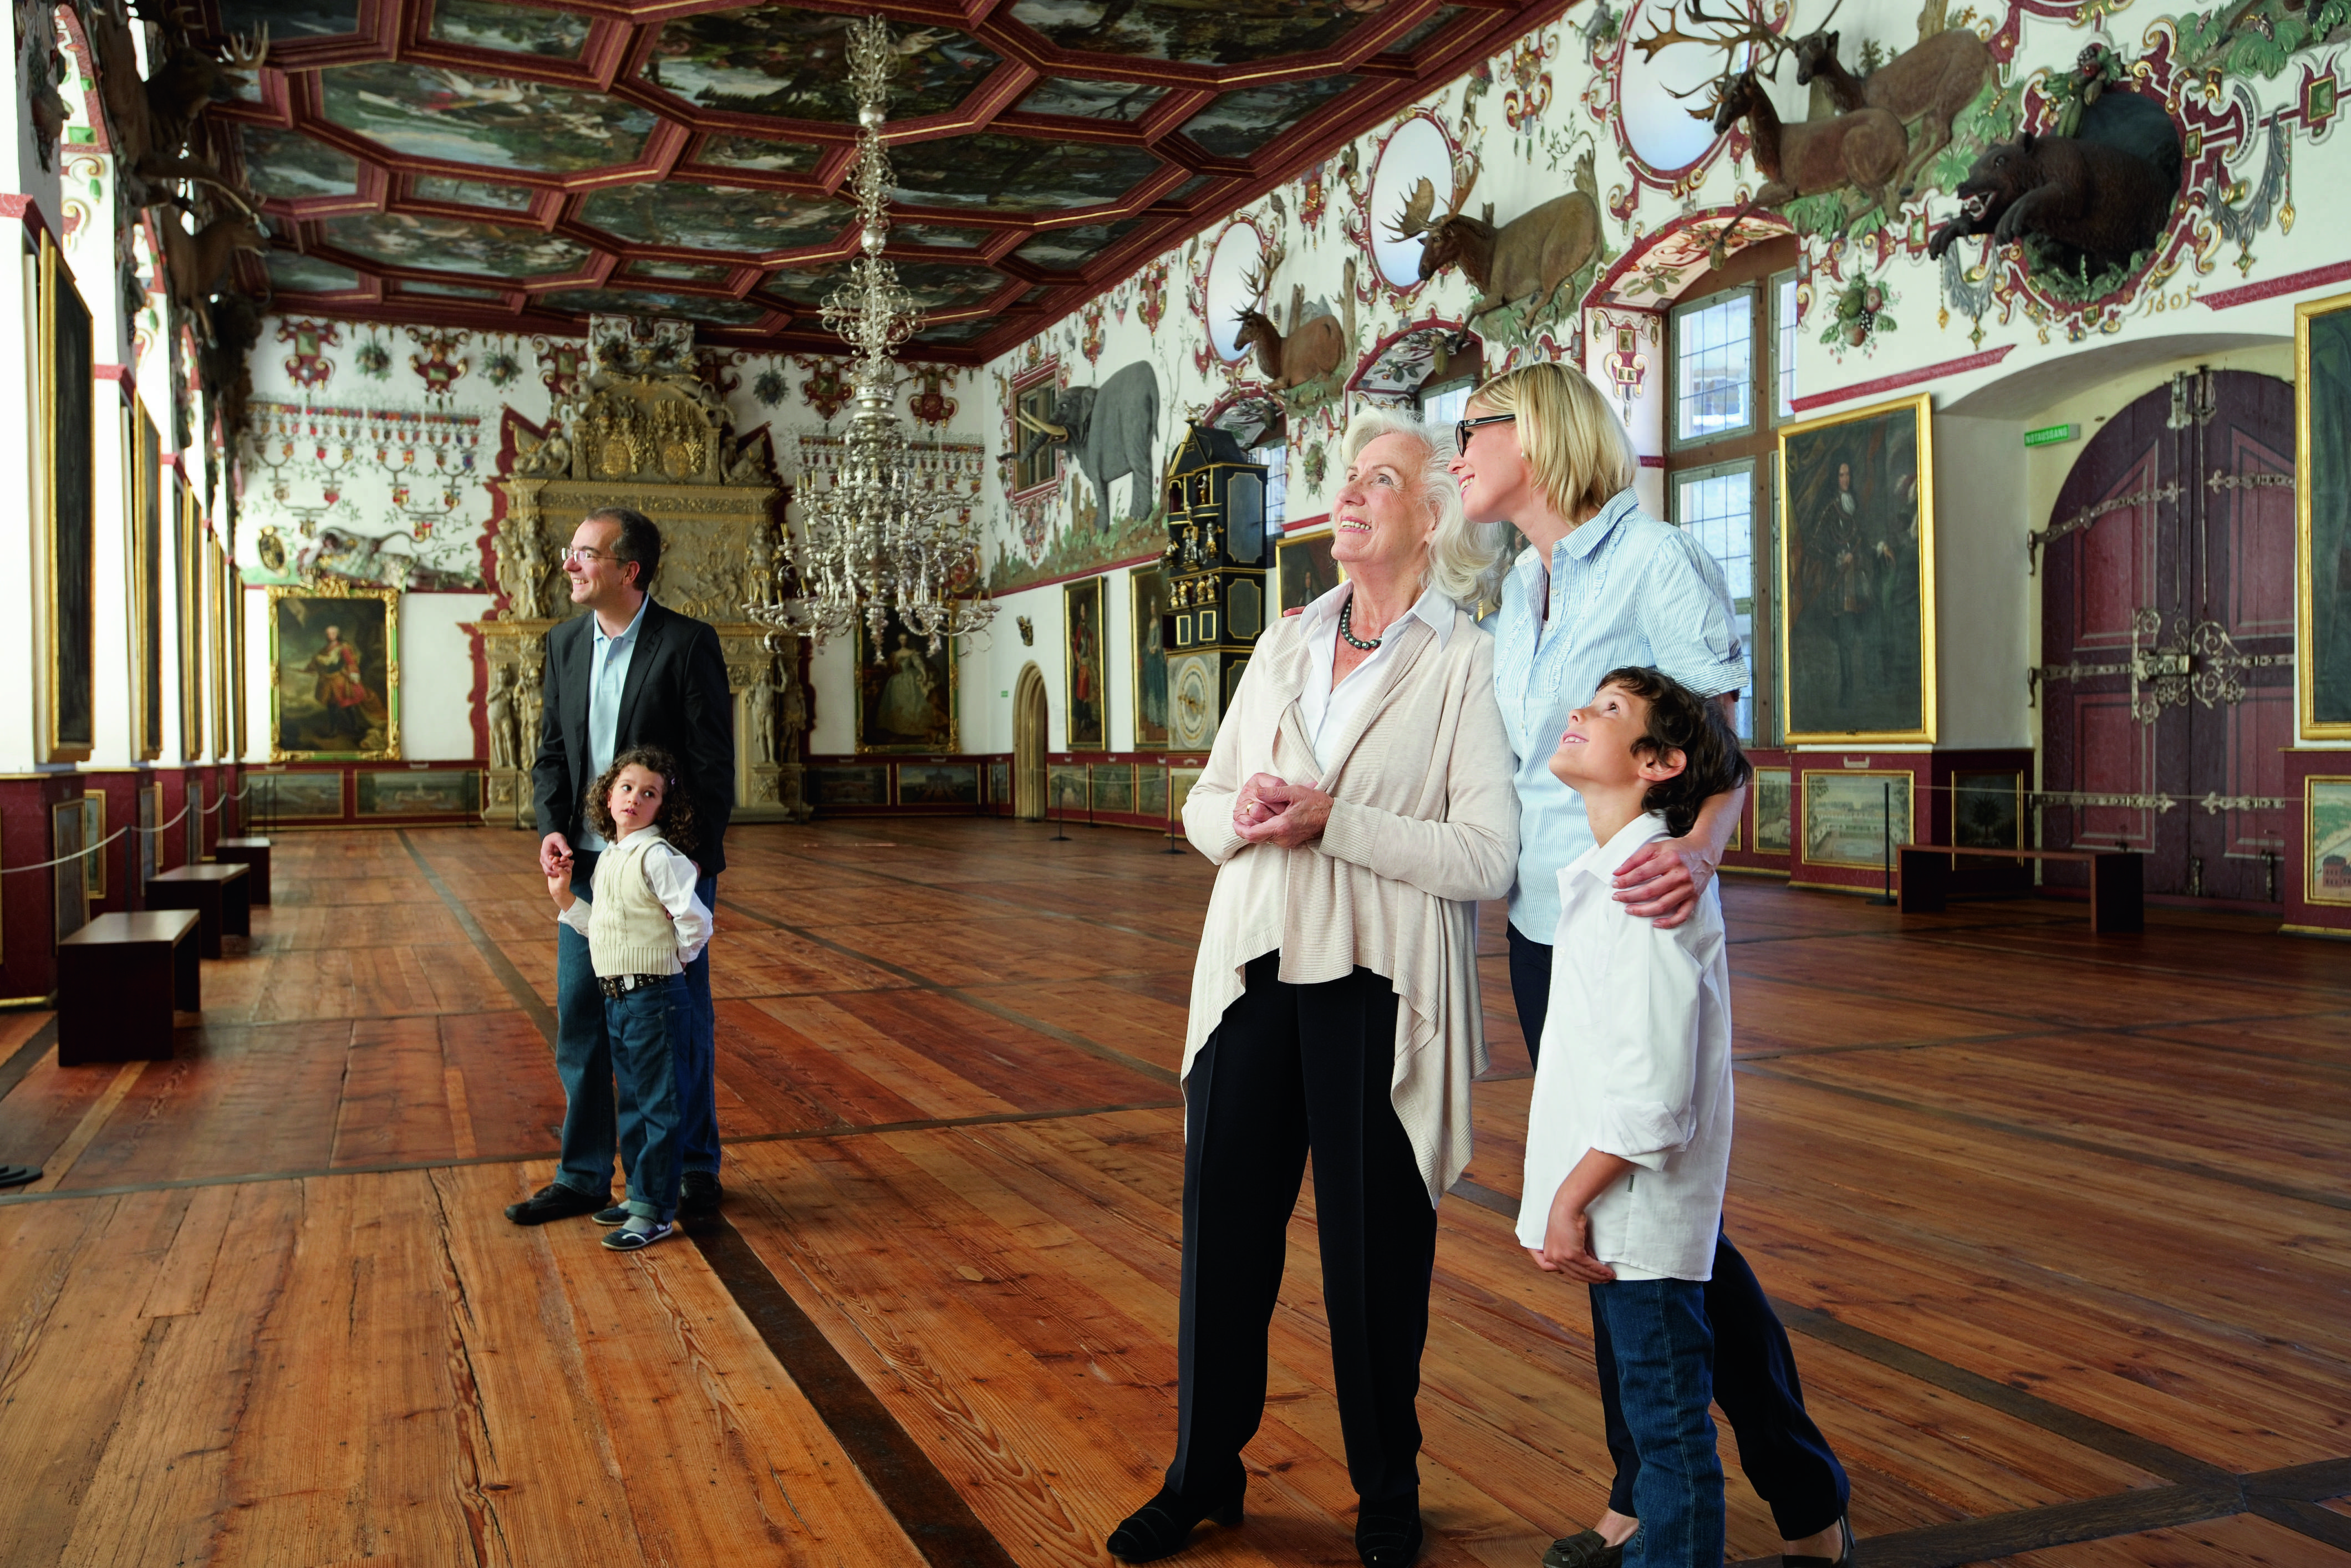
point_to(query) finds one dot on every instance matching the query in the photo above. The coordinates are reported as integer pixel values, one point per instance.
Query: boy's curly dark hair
(1681, 720)
(676, 819)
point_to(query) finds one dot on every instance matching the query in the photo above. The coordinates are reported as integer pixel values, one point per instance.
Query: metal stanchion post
(1061, 811)
(1886, 897)
(1175, 844)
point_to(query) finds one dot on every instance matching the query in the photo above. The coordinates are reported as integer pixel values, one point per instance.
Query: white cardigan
(1424, 824)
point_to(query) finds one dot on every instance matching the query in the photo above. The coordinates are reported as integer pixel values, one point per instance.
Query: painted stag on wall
(1926, 87)
(1526, 261)
(1313, 349)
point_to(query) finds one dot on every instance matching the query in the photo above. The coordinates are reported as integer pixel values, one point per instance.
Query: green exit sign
(2051, 434)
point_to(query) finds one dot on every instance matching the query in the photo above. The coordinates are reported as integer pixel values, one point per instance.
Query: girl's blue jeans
(646, 1027)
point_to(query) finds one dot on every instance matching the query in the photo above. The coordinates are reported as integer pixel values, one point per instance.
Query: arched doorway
(2166, 637)
(1028, 734)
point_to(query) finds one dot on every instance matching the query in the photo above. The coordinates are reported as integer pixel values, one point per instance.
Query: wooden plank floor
(2060, 1224)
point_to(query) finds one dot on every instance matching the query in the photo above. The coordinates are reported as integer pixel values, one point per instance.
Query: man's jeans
(645, 1028)
(1665, 1380)
(583, 1056)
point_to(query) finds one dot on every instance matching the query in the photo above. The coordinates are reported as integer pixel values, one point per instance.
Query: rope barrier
(88, 850)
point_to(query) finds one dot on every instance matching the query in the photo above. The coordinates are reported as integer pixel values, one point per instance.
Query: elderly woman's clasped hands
(1269, 810)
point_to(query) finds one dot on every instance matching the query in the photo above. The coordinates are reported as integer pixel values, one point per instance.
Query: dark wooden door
(2166, 686)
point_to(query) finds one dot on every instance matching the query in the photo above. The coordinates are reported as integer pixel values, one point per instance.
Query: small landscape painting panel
(1308, 573)
(1065, 790)
(852, 785)
(2323, 412)
(1856, 511)
(335, 673)
(93, 834)
(1147, 586)
(1089, 711)
(1151, 789)
(1113, 787)
(906, 693)
(938, 783)
(2328, 822)
(1179, 783)
(1774, 833)
(150, 840)
(1848, 817)
(280, 797)
(1988, 811)
(429, 793)
(999, 782)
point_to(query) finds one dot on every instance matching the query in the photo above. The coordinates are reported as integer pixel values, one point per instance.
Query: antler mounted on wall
(1750, 33)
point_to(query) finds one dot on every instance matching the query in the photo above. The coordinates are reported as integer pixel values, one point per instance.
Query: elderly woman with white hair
(1358, 803)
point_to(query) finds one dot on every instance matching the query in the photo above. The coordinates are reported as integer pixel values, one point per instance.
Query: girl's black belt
(621, 985)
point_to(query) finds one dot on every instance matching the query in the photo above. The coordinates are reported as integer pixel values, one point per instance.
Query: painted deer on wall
(1527, 260)
(1926, 85)
(1312, 348)
(1863, 149)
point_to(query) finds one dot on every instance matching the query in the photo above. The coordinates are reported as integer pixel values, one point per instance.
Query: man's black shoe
(698, 1194)
(555, 1201)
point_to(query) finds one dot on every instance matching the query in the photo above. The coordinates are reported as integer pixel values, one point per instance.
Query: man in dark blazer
(629, 672)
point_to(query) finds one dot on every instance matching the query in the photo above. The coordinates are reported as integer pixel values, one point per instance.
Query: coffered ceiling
(515, 166)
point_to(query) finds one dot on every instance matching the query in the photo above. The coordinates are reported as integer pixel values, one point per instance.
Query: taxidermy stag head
(1927, 86)
(1525, 261)
(1311, 350)
(1863, 149)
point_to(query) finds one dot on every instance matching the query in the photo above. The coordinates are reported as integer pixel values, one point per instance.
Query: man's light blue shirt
(608, 677)
(1625, 589)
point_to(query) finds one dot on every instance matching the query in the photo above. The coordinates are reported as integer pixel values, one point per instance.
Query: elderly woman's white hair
(1467, 561)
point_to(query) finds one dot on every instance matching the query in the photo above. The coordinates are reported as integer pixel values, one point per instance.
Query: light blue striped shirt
(608, 677)
(1625, 589)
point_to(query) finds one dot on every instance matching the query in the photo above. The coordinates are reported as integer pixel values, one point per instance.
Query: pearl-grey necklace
(1346, 627)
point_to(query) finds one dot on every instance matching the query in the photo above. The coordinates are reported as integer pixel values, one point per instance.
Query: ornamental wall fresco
(2250, 93)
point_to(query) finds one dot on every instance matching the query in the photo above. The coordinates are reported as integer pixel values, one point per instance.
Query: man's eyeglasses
(1461, 429)
(578, 553)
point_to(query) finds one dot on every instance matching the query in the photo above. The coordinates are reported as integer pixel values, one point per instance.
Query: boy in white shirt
(1628, 1137)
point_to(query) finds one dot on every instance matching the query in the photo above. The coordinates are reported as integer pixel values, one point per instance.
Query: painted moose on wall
(1524, 262)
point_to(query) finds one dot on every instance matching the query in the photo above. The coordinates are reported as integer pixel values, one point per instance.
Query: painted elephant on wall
(1109, 430)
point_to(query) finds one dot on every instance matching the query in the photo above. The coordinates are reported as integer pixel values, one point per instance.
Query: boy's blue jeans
(583, 1057)
(644, 1026)
(1665, 1380)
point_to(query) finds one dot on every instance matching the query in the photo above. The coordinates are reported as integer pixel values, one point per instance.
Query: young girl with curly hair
(643, 926)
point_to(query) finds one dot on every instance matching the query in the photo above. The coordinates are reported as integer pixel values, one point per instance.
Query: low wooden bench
(2116, 881)
(118, 979)
(217, 892)
(254, 856)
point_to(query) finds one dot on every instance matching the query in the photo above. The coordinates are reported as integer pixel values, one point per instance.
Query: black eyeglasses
(1462, 428)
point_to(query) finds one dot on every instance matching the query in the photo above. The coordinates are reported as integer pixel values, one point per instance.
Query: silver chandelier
(882, 528)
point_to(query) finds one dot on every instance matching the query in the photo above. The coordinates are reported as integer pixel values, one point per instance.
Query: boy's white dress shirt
(1636, 1062)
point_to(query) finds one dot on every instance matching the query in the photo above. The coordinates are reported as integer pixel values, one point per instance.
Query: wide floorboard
(2060, 1225)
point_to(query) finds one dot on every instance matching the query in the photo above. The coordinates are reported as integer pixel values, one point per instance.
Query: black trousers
(1292, 1069)
(1791, 1466)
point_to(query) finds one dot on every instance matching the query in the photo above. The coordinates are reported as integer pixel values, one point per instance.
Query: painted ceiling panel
(430, 111)
(494, 25)
(646, 175)
(446, 245)
(1228, 33)
(774, 59)
(688, 216)
(997, 172)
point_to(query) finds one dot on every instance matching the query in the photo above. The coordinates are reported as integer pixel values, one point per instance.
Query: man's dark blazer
(674, 697)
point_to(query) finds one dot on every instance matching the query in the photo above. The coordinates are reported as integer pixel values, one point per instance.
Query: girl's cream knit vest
(630, 931)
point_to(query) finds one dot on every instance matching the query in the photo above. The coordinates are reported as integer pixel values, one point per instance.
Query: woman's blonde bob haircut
(1578, 450)
(1465, 558)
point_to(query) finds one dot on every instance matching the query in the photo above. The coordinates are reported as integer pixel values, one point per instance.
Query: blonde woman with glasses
(1601, 585)
(1357, 805)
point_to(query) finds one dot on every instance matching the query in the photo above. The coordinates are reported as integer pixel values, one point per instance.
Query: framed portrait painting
(188, 598)
(1858, 575)
(905, 693)
(1082, 627)
(146, 541)
(2322, 417)
(1306, 570)
(1146, 587)
(334, 674)
(66, 546)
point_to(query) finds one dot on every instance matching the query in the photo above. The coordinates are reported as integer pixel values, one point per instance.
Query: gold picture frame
(145, 541)
(1822, 803)
(93, 837)
(2322, 442)
(66, 552)
(236, 636)
(1304, 569)
(217, 569)
(1146, 590)
(1843, 580)
(188, 594)
(324, 689)
(2335, 820)
(1085, 685)
(907, 697)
